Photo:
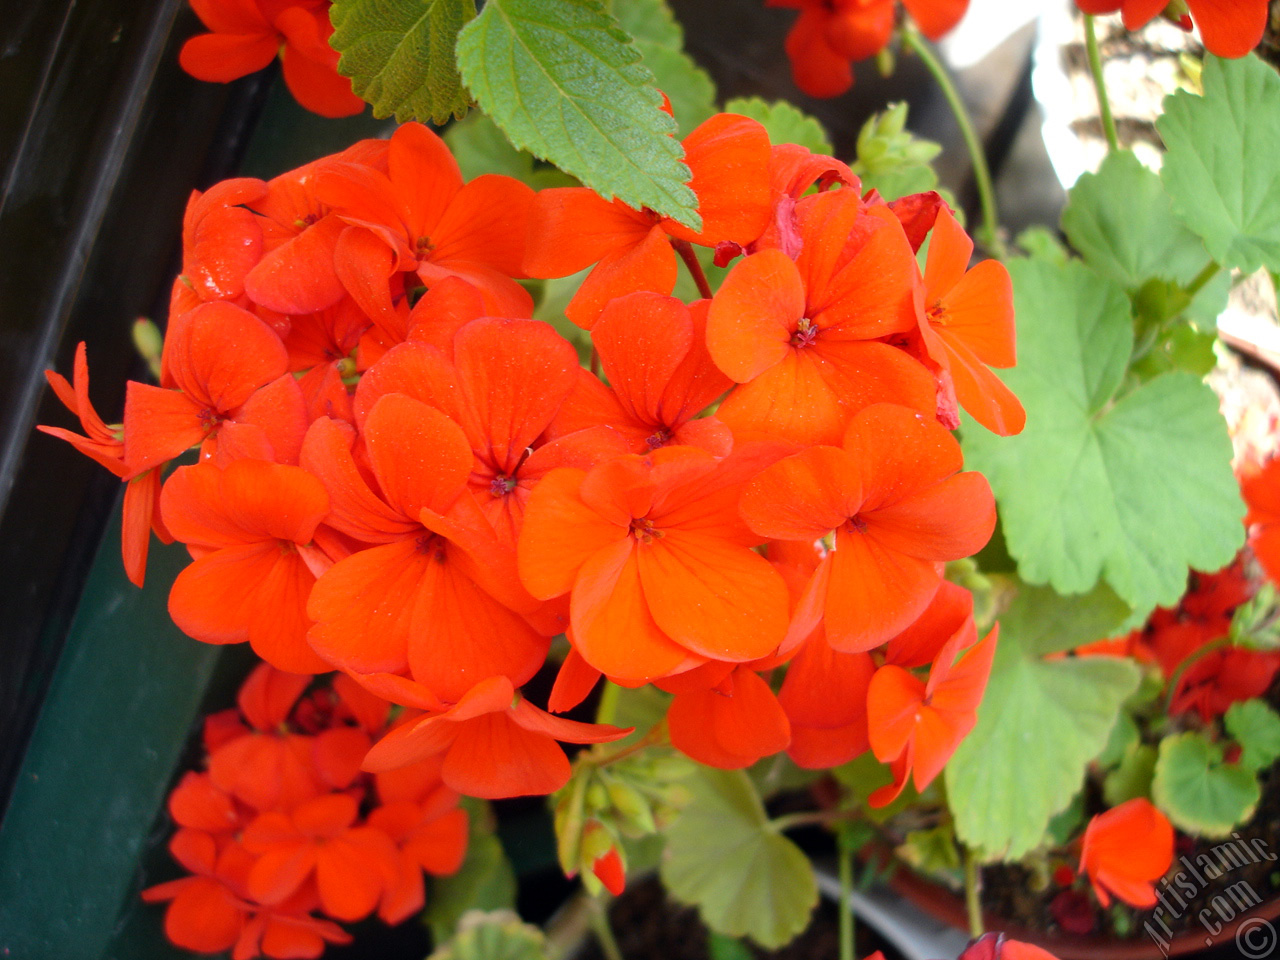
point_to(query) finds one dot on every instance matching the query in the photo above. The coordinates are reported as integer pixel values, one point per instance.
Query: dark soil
(649, 927)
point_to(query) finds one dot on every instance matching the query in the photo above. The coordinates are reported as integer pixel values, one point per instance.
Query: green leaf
(1120, 220)
(931, 851)
(1039, 724)
(480, 147)
(1200, 793)
(785, 123)
(493, 936)
(484, 882)
(1134, 490)
(1222, 168)
(720, 947)
(725, 857)
(564, 82)
(399, 55)
(1133, 777)
(1041, 243)
(1124, 738)
(660, 38)
(1256, 727)
(1047, 622)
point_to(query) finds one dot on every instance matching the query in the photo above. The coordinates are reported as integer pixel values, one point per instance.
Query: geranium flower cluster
(404, 477)
(282, 825)
(830, 36)
(246, 35)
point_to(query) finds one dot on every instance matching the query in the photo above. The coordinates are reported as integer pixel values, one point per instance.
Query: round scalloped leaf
(1199, 793)
(499, 935)
(1222, 165)
(785, 122)
(1134, 240)
(1135, 489)
(1040, 721)
(726, 858)
(1256, 727)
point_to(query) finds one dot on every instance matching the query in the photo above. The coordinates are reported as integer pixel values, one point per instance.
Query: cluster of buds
(615, 794)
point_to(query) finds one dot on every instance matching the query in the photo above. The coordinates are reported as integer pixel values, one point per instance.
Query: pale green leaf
(1132, 778)
(660, 38)
(1256, 727)
(1200, 793)
(1134, 490)
(399, 55)
(785, 123)
(1124, 737)
(566, 83)
(1039, 724)
(499, 935)
(1120, 220)
(724, 856)
(1222, 168)
(1043, 621)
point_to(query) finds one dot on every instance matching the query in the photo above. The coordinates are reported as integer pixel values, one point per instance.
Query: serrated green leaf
(565, 82)
(1133, 777)
(1222, 165)
(1120, 220)
(724, 856)
(785, 123)
(1256, 727)
(1197, 791)
(485, 881)
(661, 39)
(399, 55)
(1134, 491)
(1039, 724)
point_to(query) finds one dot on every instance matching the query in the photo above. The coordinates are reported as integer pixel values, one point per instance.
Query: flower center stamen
(806, 333)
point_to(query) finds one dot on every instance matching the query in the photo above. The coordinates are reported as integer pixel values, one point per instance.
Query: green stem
(1186, 664)
(973, 894)
(607, 709)
(1099, 84)
(603, 930)
(977, 155)
(1210, 271)
(845, 855)
(685, 249)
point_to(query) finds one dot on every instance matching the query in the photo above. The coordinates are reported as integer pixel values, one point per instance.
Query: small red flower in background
(831, 35)
(1229, 28)
(246, 35)
(1125, 850)
(1261, 489)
